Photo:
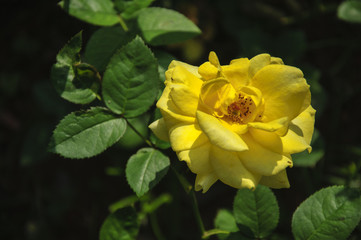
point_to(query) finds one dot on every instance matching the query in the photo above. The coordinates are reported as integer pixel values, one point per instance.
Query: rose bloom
(238, 123)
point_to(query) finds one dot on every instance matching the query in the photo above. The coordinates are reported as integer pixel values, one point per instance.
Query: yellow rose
(238, 123)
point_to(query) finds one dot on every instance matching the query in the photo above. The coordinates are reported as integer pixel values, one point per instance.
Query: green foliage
(120, 225)
(131, 140)
(145, 169)
(97, 12)
(305, 159)
(350, 11)
(102, 45)
(130, 9)
(331, 213)
(131, 80)
(160, 26)
(69, 81)
(256, 212)
(225, 221)
(87, 133)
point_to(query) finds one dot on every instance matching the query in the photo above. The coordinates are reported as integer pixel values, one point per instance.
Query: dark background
(44, 196)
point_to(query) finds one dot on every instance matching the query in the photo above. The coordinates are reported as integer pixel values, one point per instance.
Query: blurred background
(44, 196)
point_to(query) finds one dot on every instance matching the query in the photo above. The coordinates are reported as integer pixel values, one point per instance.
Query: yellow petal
(159, 128)
(218, 134)
(205, 181)
(197, 158)
(284, 90)
(257, 63)
(230, 170)
(217, 95)
(208, 71)
(189, 68)
(279, 180)
(269, 140)
(182, 75)
(261, 160)
(171, 113)
(237, 72)
(276, 60)
(186, 136)
(299, 135)
(184, 98)
(213, 59)
(270, 126)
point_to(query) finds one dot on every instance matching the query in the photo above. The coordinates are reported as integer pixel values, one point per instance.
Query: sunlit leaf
(145, 169)
(350, 11)
(256, 212)
(331, 213)
(131, 80)
(97, 12)
(87, 133)
(161, 26)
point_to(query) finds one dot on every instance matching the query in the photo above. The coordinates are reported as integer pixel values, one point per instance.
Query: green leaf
(87, 133)
(131, 80)
(161, 26)
(145, 169)
(103, 44)
(305, 159)
(164, 59)
(350, 11)
(225, 221)
(120, 225)
(67, 80)
(256, 212)
(331, 213)
(97, 12)
(130, 9)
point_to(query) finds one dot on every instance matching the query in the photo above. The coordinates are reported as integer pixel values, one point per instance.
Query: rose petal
(284, 90)
(197, 158)
(205, 181)
(171, 113)
(261, 160)
(277, 181)
(184, 98)
(257, 63)
(159, 128)
(190, 68)
(237, 72)
(181, 75)
(299, 135)
(186, 136)
(217, 95)
(208, 71)
(230, 170)
(218, 134)
(281, 123)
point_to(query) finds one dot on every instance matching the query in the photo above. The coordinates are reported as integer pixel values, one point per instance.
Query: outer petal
(284, 90)
(218, 134)
(208, 71)
(230, 169)
(300, 132)
(182, 75)
(171, 113)
(257, 63)
(190, 68)
(269, 140)
(261, 160)
(197, 158)
(159, 128)
(205, 181)
(186, 136)
(279, 180)
(184, 98)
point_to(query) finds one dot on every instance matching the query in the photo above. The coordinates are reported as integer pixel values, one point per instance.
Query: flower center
(241, 110)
